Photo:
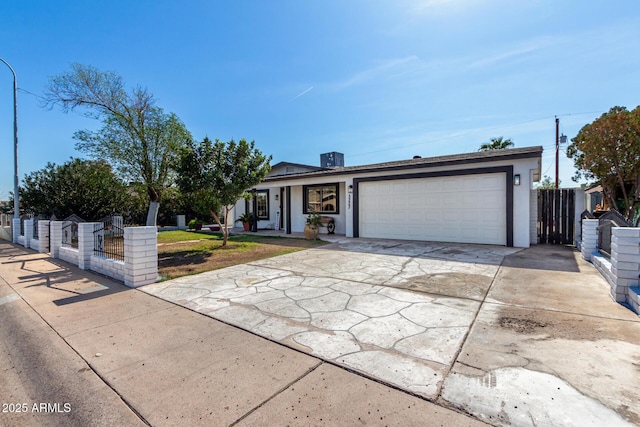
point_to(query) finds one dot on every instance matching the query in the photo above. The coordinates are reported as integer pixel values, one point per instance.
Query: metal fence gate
(556, 216)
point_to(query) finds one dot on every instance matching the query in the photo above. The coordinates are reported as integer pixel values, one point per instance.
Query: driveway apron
(513, 337)
(392, 310)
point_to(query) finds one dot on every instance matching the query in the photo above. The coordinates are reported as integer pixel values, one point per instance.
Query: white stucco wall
(533, 217)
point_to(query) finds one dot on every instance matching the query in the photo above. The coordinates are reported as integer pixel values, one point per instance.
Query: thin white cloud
(526, 48)
(304, 92)
(386, 68)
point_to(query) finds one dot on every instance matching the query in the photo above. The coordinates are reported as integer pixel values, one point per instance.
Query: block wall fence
(622, 271)
(140, 265)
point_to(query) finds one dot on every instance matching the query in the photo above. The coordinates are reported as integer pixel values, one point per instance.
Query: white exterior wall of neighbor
(522, 211)
(5, 227)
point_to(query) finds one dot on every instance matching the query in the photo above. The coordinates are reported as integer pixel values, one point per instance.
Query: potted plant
(246, 219)
(314, 222)
(195, 224)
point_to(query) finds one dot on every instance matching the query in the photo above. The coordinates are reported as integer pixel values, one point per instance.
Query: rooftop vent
(417, 157)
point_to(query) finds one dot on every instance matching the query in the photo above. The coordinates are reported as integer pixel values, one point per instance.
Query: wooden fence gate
(556, 216)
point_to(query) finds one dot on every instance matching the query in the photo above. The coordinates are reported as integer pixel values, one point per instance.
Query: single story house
(481, 197)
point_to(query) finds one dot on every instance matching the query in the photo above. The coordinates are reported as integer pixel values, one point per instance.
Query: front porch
(331, 238)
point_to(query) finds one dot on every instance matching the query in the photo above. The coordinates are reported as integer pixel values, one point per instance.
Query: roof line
(427, 162)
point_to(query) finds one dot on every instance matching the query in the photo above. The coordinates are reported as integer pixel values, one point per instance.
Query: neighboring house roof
(285, 165)
(475, 157)
(593, 188)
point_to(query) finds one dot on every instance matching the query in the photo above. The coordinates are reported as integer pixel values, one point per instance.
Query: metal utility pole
(557, 149)
(16, 203)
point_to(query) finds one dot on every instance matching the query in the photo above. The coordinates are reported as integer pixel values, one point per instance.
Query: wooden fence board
(556, 216)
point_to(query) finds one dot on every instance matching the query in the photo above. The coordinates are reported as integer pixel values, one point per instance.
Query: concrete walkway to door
(531, 340)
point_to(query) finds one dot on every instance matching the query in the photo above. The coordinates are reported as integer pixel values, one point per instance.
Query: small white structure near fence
(622, 270)
(140, 265)
(5, 226)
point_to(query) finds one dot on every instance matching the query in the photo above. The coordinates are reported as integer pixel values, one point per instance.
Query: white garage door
(466, 209)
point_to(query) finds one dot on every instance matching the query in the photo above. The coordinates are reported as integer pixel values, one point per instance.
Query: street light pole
(16, 202)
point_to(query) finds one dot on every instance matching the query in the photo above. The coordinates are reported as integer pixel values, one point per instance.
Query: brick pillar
(589, 238)
(625, 261)
(85, 244)
(28, 232)
(140, 256)
(55, 238)
(15, 229)
(43, 235)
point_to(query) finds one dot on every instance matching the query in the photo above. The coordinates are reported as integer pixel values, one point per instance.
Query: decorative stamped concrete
(392, 310)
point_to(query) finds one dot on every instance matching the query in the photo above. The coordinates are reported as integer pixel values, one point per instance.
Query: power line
(475, 131)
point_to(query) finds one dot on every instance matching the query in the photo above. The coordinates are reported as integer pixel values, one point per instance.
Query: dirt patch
(556, 325)
(461, 285)
(523, 326)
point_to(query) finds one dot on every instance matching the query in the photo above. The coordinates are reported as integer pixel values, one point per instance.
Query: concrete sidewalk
(118, 356)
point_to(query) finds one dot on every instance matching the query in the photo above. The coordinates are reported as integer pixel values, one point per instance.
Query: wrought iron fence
(605, 224)
(108, 238)
(70, 234)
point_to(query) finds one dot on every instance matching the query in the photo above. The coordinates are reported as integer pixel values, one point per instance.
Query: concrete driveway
(512, 337)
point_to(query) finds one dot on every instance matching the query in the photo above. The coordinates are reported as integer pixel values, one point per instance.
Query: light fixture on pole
(16, 202)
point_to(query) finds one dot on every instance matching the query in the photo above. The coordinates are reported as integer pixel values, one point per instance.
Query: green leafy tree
(214, 176)
(547, 183)
(608, 150)
(138, 138)
(87, 188)
(498, 143)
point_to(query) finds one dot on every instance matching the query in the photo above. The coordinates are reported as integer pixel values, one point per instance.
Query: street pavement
(357, 332)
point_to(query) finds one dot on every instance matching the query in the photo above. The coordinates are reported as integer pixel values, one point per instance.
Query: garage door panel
(470, 184)
(467, 209)
(432, 187)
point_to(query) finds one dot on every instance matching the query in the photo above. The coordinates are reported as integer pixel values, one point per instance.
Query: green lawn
(188, 252)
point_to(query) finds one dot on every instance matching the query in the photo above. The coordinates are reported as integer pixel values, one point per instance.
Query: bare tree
(138, 138)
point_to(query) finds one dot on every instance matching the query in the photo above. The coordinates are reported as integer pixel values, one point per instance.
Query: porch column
(288, 209)
(348, 216)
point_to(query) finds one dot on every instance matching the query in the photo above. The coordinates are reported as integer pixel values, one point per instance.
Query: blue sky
(376, 80)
